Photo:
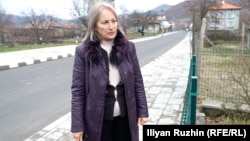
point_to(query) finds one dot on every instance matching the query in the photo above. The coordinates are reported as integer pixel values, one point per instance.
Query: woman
(108, 96)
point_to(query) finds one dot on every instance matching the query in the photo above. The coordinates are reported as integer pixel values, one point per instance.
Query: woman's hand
(141, 121)
(77, 136)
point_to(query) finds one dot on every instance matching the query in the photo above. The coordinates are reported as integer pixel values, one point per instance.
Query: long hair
(94, 15)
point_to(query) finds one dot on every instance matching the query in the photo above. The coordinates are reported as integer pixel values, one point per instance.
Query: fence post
(202, 36)
(248, 38)
(193, 35)
(193, 99)
(189, 110)
(193, 91)
(193, 65)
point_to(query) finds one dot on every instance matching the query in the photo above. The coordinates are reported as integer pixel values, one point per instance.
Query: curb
(35, 61)
(4, 67)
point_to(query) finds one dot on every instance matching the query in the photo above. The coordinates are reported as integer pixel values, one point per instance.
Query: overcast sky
(61, 8)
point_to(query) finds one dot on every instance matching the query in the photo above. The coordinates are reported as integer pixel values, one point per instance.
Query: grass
(223, 43)
(28, 47)
(36, 46)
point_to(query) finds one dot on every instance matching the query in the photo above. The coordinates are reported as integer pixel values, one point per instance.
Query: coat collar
(117, 54)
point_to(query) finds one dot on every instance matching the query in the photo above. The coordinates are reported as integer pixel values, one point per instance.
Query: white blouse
(114, 75)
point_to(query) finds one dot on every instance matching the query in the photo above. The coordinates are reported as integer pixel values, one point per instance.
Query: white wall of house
(153, 28)
(226, 20)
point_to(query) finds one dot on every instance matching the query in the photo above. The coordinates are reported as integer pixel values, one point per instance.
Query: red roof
(224, 6)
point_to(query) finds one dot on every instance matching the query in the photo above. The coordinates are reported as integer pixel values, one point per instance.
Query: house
(223, 16)
(151, 25)
(44, 31)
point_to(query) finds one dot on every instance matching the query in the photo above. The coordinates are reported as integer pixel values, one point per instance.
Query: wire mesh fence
(224, 74)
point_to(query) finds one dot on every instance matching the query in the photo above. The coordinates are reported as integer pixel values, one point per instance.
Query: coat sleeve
(78, 91)
(140, 94)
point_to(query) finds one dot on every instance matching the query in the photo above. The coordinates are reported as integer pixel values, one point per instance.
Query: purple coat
(90, 81)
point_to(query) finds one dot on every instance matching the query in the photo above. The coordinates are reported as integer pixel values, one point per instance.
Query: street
(33, 96)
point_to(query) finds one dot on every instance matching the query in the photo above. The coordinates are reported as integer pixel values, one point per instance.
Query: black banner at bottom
(204, 132)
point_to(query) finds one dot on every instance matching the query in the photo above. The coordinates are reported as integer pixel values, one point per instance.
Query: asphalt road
(34, 96)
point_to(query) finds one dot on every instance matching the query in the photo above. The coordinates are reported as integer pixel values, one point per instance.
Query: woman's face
(106, 25)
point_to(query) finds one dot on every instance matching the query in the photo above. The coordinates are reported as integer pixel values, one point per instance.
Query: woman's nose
(111, 25)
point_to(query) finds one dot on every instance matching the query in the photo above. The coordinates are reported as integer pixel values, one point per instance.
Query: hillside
(181, 10)
(177, 12)
(237, 2)
(161, 8)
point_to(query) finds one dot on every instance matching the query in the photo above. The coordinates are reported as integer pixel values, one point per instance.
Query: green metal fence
(189, 109)
(223, 74)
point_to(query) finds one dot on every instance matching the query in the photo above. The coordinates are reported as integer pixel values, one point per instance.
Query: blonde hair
(94, 15)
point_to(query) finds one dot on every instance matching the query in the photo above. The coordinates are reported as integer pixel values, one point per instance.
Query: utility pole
(193, 34)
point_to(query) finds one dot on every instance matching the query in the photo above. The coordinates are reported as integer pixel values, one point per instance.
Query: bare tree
(245, 16)
(200, 8)
(244, 13)
(214, 18)
(124, 18)
(245, 3)
(80, 11)
(6, 36)
(140, 21)
(39, 25)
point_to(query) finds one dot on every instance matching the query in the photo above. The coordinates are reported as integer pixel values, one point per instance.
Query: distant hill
(161, 8)
(18, 20)
(178, 12)
(173, 12)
